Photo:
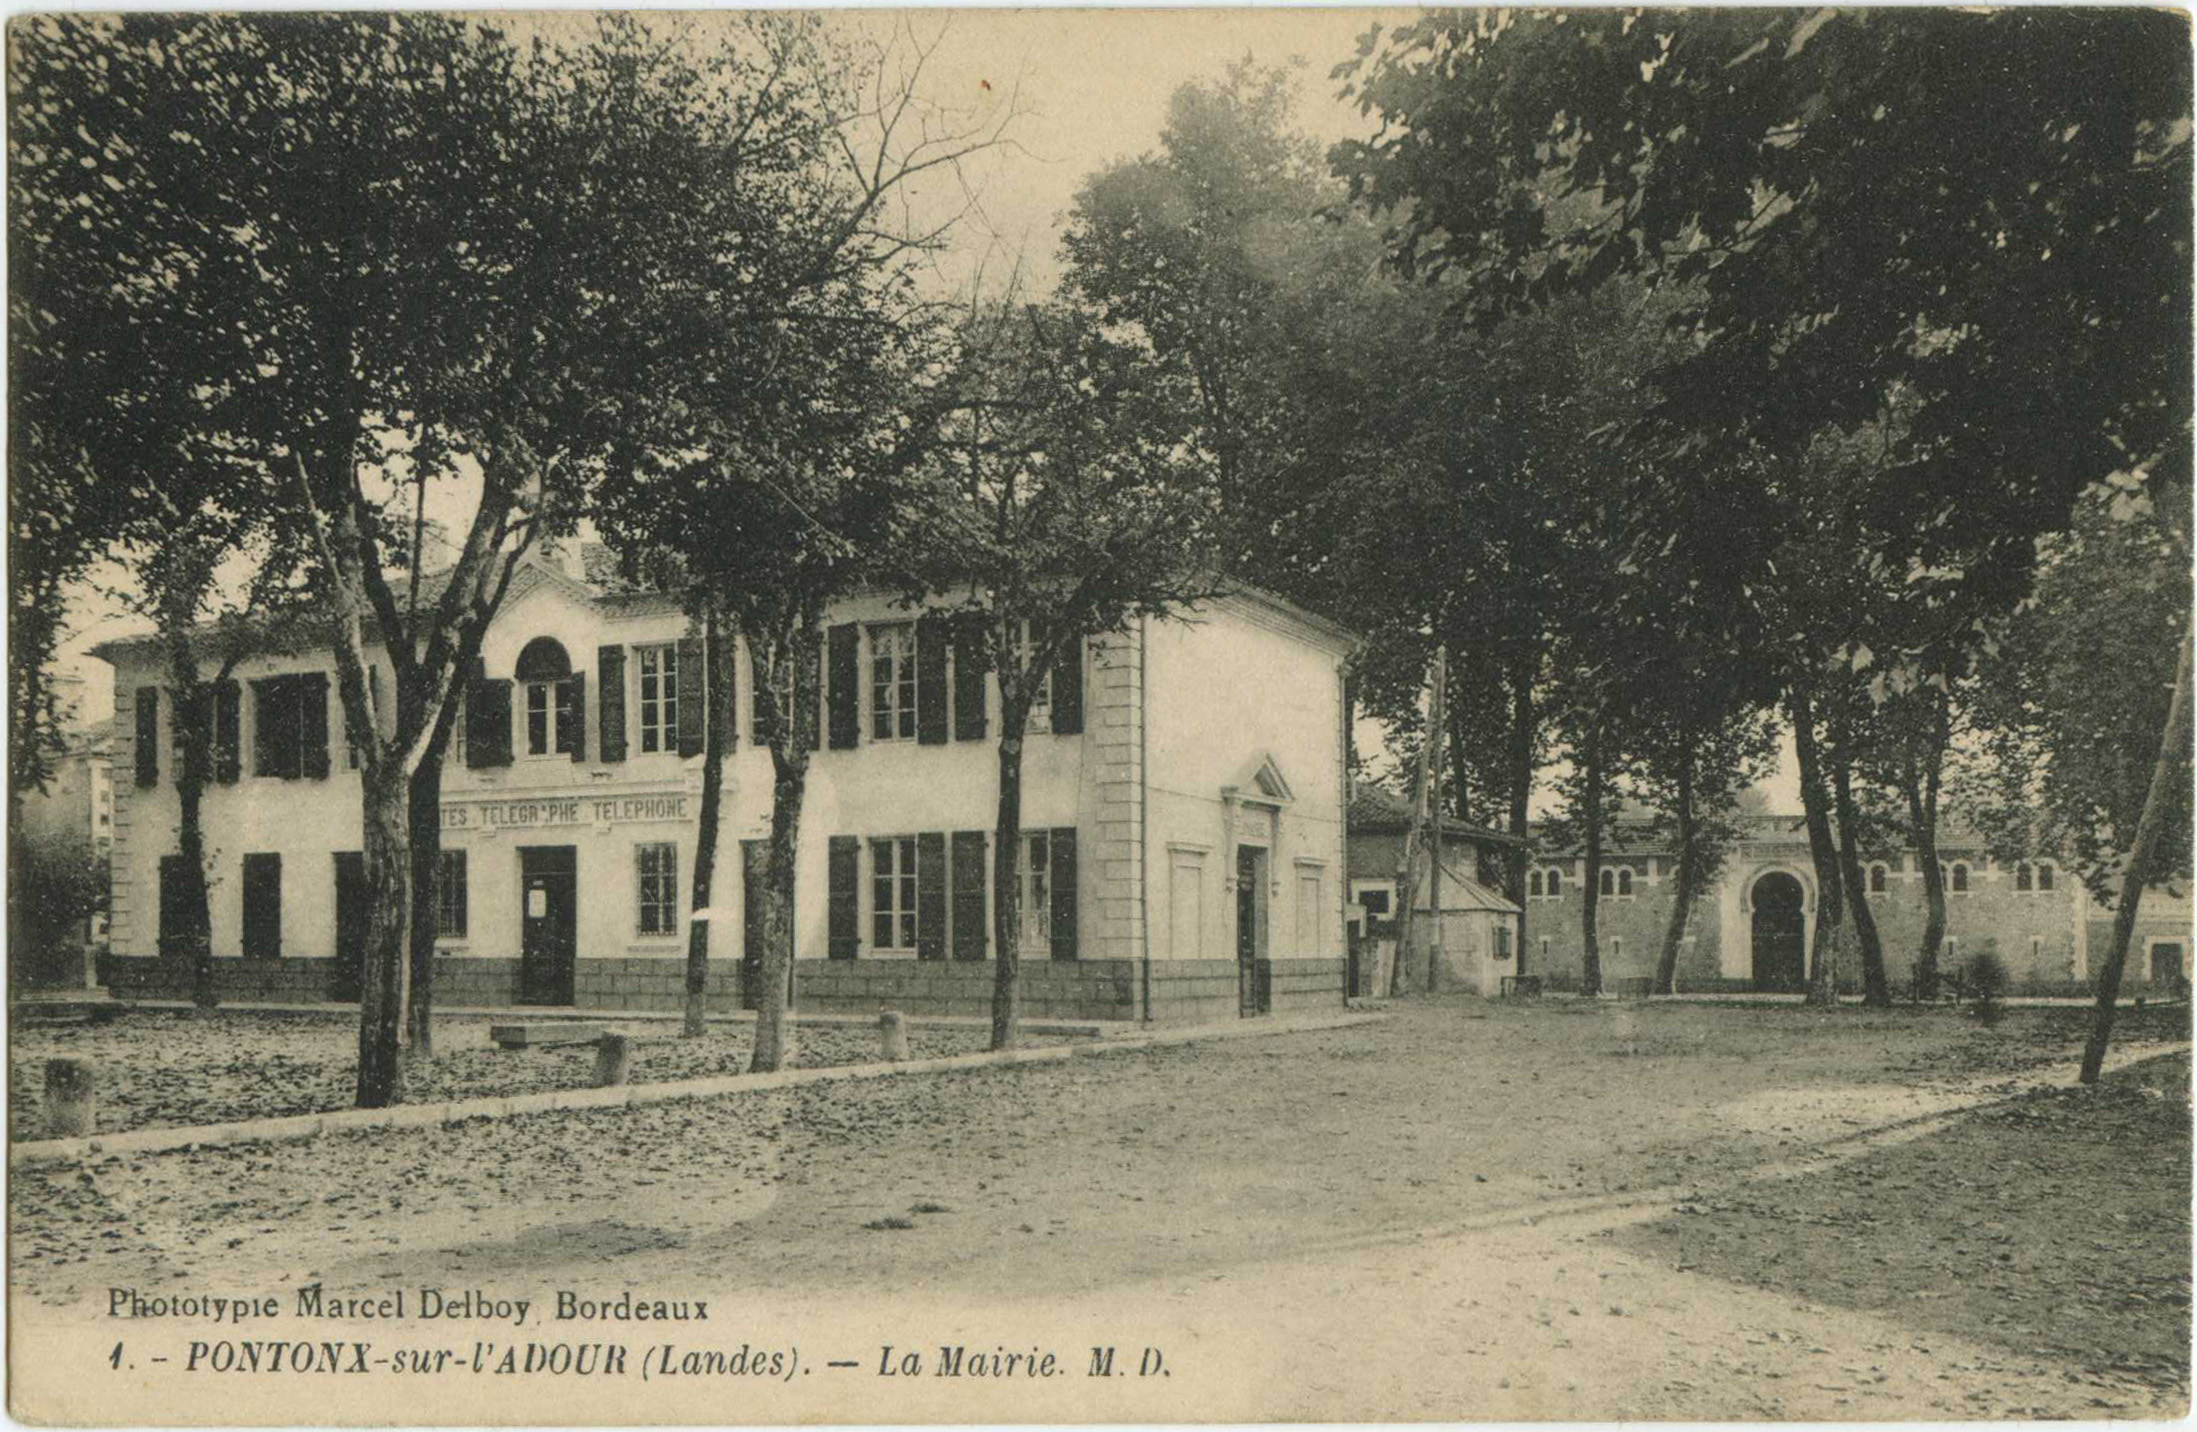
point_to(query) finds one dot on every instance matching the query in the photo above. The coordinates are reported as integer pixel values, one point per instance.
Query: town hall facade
(1182, 854)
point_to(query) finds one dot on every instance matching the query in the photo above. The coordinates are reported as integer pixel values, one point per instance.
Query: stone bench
(548, 1034)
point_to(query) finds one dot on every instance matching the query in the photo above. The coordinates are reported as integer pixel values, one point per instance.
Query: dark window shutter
(228, 743)
(274, 733)
(1063, 843)
(842, 903)
(972, 663)
(263, 907)
(930, 679)
(691, 698)
(572, 716)
(930, 896)
(174, 894)
(148, 735)
(815, 698)
(754, 878)
(1068, 691)
(843, 701)
(312, 697)
(487, 722)
(610, 715)
(969, 926)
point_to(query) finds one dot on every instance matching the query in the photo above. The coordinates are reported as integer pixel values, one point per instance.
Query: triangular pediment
(1265, 783)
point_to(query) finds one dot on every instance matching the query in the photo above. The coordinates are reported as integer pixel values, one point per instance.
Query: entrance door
(547, 936)
(1251, 993)
(343, 983)
(2166, 962)
(1780, 933)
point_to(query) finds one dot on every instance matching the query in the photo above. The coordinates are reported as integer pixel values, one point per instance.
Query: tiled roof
(1377, 810)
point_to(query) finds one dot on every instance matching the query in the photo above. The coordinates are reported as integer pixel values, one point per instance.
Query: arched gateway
(1780, 933)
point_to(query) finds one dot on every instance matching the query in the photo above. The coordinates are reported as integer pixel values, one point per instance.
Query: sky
(1088, 88)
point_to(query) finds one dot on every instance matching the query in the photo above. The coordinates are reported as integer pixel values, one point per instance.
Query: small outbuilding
(1476, 933)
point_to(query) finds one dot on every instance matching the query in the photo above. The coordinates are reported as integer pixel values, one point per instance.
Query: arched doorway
(1780, 933)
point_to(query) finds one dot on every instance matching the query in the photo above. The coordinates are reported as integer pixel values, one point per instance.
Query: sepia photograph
(877, 716)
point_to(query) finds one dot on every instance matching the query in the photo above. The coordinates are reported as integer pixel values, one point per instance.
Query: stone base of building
(1182, 991)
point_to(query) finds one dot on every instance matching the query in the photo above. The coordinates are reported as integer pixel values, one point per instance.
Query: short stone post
(613, 1060)
(72, 1098)
(892, 1035)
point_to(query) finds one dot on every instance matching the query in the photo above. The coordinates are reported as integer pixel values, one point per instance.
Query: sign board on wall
(562, 810)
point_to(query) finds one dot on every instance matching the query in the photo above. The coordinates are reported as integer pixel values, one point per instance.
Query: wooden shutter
(174, 895)
(815, 698)
(148, 735)
(1062, 840)
(843, 904)
(312, 699)
(572, 716)
(610, 715)
(969, 926)
(692, 700)
(842, 700)
(487, 721)
(263, 906)
(273, 733)
(930, 894)
(972, 663)
(1068, 691)
(930, 679)
(228, 733)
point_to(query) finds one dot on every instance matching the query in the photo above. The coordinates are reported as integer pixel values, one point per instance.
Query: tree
(179, 576)
(2064, 764)
(455, 262)
(1987, 212)
(1059, 508)
(762, 477)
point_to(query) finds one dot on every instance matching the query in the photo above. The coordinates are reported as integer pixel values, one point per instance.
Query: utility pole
(1439, 722)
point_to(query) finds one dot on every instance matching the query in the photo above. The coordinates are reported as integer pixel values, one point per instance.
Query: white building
(1183, 842)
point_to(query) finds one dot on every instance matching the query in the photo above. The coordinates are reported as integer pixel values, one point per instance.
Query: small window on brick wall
(657, 866)
(450, 895)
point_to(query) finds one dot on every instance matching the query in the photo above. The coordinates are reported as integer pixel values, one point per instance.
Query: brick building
(1182, 854)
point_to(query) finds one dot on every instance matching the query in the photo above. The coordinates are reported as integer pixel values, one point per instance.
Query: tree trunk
(1590, 951)
(1521, 792)
(1922, 780)
(1876, 991)
(1006, 877)
(716, 664)
(387, 820)
(425, 820)
(792, 735)
(1686, 884)
(1815, 803)
(2149, 826)
(193, 726)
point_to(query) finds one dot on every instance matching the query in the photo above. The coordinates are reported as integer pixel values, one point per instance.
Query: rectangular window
(892, 682)
(450, 895)
(1041, 705)
(659, 668)
(1502, 942)
(541, 718)
(892, 895)
(658, 865)
(1036, 876)
(278, 726)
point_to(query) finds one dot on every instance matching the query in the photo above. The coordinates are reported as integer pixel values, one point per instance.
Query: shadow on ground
(2056, 1221)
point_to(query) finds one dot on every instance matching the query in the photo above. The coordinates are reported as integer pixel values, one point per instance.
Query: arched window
(2022, 880)
(2045, 875)
(1880, 877)
(1609, 880)
(1556, 883)
(1624, 882)
(1533, 885)
(551, 699)
(1960, 877)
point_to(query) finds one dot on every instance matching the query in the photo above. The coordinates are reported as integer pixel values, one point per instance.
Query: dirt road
(1578, 1210)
